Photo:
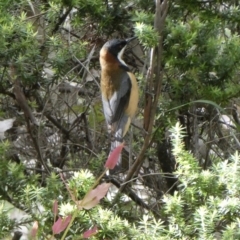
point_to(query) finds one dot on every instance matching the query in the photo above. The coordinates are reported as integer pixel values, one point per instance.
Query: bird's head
(112, 51)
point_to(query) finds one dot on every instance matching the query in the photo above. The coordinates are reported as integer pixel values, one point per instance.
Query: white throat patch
(120, 54)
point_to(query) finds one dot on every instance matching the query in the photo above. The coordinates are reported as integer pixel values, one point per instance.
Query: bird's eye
(121, 46)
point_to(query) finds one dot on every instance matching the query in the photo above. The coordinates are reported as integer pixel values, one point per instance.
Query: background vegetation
(182, 148)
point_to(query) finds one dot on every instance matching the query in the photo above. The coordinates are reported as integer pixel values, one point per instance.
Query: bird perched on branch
(119, 90)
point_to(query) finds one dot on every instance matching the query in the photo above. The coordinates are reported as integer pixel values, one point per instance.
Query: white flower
(66, 209)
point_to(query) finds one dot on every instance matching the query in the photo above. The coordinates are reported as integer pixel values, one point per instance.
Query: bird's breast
(110, 83)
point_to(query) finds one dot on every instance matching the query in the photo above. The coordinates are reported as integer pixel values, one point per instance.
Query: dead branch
(32, 124)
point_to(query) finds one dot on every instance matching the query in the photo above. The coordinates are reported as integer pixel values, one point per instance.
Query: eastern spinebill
(119, 90)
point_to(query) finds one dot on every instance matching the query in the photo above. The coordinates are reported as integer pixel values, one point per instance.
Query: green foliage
(6, 225)
(202, 56)
(147, 34)
(82, 181)
(206, 203)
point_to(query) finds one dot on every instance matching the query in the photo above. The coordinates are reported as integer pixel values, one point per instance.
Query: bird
(119, 90)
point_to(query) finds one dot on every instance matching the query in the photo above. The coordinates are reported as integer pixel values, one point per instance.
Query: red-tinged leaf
(34, 229)
(114, 156)
(55, 208)
(93, 197)
(61, 224)
(90, 232)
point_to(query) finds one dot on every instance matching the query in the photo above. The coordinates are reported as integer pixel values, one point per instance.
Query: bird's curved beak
(130, 39)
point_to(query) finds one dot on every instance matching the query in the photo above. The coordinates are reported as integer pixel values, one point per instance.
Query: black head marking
(115, 46)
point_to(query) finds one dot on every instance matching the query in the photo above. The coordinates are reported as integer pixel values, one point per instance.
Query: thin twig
(95, 80)
(133, 196)
(35, 16)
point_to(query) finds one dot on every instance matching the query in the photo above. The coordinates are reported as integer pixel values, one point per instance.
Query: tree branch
(161, 12)
(32, 124)
(61, 20)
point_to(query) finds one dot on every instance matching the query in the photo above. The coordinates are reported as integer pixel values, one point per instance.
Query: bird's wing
(114, 107)
(122, 98)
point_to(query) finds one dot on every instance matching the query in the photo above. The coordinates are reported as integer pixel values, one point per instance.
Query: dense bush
(54, 140)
